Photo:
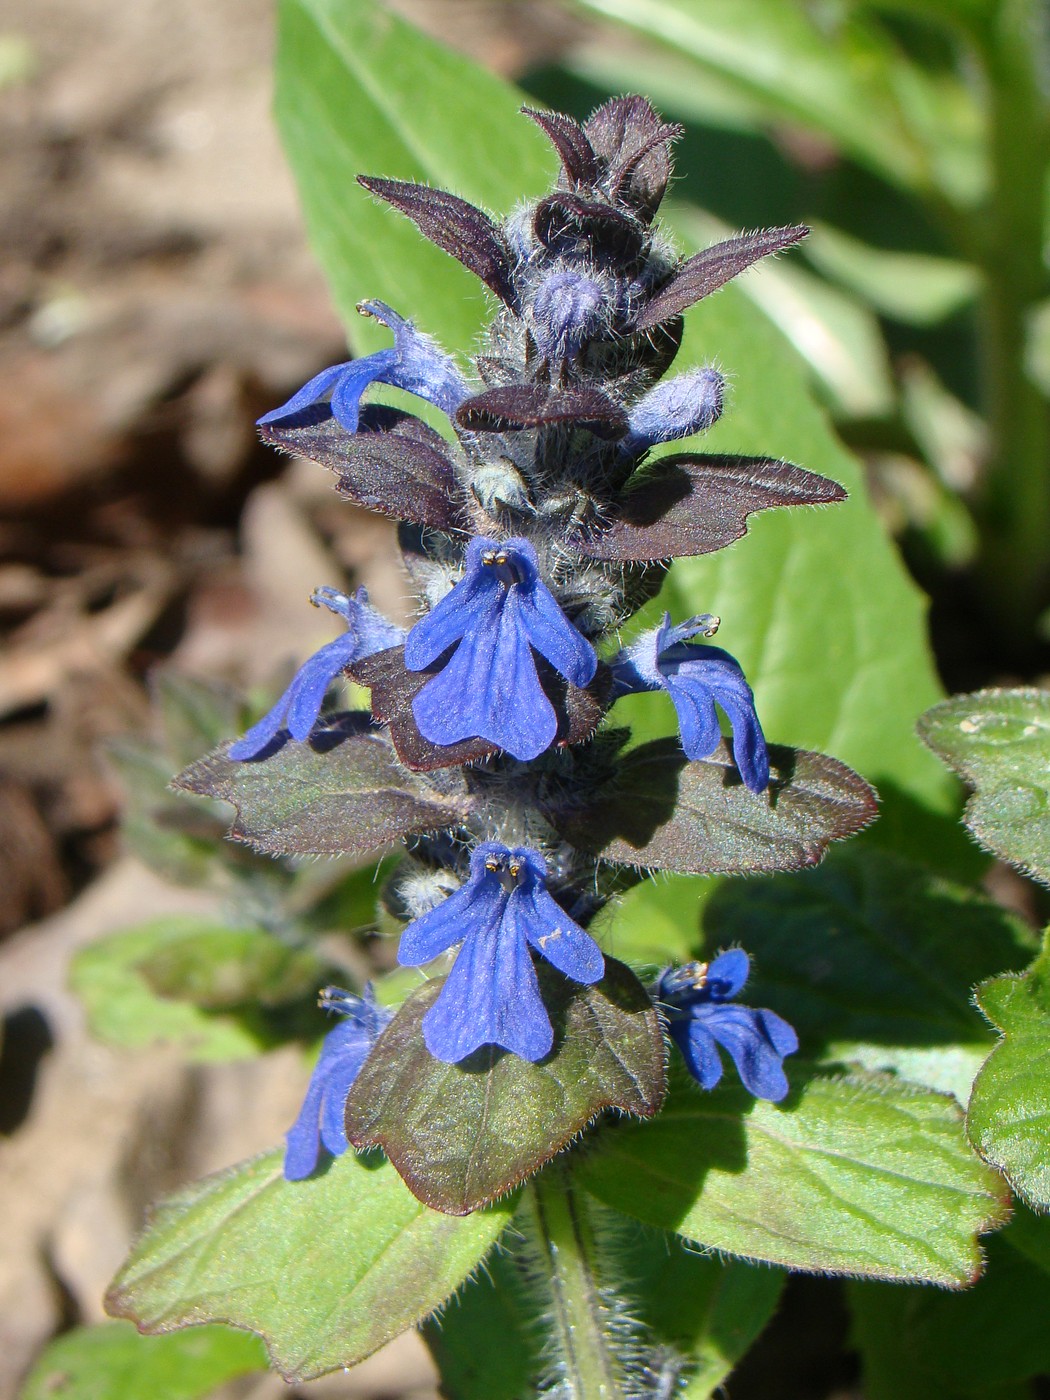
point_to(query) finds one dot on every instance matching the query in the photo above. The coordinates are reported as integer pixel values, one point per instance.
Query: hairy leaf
(854, 1176)
(569, 139)
(872, 959)
(999, 742)
(570, 224)
(705, 272)
(658, 809)
(540, 406)
(114, 1362)
(687, 504)
(454, 225)
(917, 1343)
(325, 1270)
(396, 465)
(632, 142)
(342, 791)
(1009, 1115)
(461, 1135)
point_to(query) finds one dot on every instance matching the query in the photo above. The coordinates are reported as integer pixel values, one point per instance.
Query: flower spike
(344, 1051)
(696, 999)
(495, 616)
(367, 631)
(492, 995)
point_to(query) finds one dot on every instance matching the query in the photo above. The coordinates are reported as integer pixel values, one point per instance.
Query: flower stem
(583, 1341)
(1017, 495)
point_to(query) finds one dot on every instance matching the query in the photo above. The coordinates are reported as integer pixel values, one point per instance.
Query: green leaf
(999, 742)
(359, 91)
(659, 811)
(113, 1362)
(219, 968)
(919, 1343)
(501, 1117)
(1008, 1119)
(860, 1176)
(872, 960)
(914, 288)
(342, 792)
(837, 74)
(325, 1270)
(124, 1010)
(705, 1310)
(838, 338)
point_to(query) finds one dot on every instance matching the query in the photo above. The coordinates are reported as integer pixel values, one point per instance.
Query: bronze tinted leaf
(690, 504)
(395, 465)
(568, 222)
(569, 139)
(659, 810)
(342, 791)
(705, 272)
(461, 1135)
(632, 142)
(454, 225)
(515, 406)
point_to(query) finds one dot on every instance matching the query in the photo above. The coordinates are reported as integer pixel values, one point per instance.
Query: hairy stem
(585, 1350)
(1016, 503)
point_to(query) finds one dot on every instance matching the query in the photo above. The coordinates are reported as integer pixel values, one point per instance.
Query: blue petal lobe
(491, 997)
(466, 606)
(697, 718)
(727, 974)
(699, 1051)
(489, 690)
(475, 906)
(358, 374)
(320, 1119)
(302, 1142)
(741, 1031)
(535, 915)
(554, 636)
(308, 395)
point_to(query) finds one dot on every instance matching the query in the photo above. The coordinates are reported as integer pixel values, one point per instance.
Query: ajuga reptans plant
(532, 532)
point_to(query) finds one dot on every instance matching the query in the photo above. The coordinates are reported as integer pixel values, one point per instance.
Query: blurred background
(157, 295)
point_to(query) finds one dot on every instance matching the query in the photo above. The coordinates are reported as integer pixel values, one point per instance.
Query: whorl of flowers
(532, 532)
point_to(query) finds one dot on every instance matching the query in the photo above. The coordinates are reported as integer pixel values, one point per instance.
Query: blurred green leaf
(914, 288)
(503, 1117)
(999, 742)
(836, 73)
(872, 959)
(114, 1362)
(1009, 1115)
(359, 91)
(860, 1176)
(918, 1343)
(218, 968)
(124, 1010)
(325, 1270)
(838, 338)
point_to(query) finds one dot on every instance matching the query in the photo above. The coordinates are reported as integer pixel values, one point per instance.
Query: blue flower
(492, 994)
(367, 632)
(414, 363)
(490, 689)
(344, 1051)
(696, 677)
(696, 1000)
(676, 408)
